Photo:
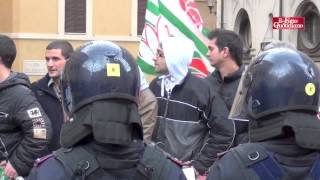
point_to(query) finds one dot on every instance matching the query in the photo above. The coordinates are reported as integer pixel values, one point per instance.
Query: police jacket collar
(287, 152)
(110, 156)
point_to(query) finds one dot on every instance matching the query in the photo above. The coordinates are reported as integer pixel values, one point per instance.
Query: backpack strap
(260, 161)
(154, 164)
(268, 169)
(75, 165)
(41, 160)
(315, 170)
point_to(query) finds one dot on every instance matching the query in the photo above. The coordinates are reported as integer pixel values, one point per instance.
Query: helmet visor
(239, 107)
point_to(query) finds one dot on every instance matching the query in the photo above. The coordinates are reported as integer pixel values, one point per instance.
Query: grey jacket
(192, 122)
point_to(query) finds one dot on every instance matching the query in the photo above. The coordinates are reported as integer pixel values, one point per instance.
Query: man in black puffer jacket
(225, 54)
(25, 130)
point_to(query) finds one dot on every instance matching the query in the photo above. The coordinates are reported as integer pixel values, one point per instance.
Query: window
(245, 34)
(310, 35)
(142, 5)
(75, 16)
(309, 38)
(243, 27)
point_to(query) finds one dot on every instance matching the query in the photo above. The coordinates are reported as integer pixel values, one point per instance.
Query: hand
(3, 164)
(10, 171)
(201, 177)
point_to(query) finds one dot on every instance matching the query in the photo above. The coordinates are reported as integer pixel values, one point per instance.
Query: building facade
(34, 23)
(252, 20)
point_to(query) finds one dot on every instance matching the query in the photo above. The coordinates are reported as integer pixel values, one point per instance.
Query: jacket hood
(15, 79)
(178, 53)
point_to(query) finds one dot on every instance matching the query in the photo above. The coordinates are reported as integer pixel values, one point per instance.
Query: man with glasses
(192, 123)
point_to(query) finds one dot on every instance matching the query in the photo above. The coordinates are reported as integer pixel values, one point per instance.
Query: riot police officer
(103, 138)
(279, 95)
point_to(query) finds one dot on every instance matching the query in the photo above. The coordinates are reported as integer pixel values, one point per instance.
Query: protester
(25, 129)
(225, 54)
(192, 123)
(47, 89)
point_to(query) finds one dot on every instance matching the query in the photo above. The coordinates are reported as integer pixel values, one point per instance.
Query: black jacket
(108, 167)
(51, 104)
(295, 162)
(227, 88)
(25, 129)
(192, 122)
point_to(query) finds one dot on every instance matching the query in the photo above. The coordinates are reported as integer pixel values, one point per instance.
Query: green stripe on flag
(182, 27)
(196, 54)
(145, 67)
(153, 8)
(205, 32)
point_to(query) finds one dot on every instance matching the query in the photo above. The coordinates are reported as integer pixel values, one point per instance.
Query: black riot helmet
(279, 79)
(100, 85)
(280, 83)
(98, 70)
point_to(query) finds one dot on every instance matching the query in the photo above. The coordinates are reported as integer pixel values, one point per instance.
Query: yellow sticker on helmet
(310, 89)
(113, 70)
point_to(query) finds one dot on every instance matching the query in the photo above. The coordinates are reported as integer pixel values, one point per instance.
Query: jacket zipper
(167, 104)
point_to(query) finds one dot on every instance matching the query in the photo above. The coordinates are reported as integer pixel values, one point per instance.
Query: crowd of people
(95, 116)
